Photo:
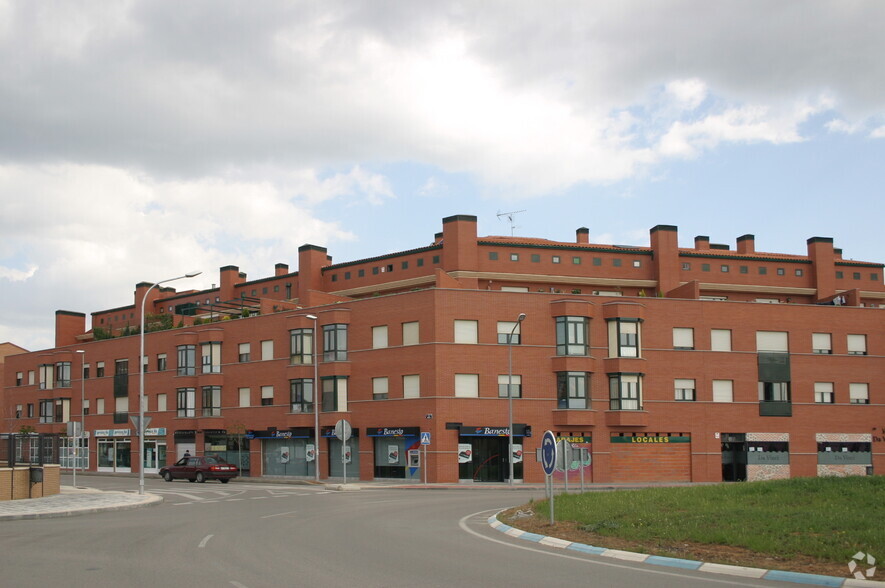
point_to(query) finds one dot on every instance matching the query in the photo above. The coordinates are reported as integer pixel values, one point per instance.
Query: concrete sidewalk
(74, 501)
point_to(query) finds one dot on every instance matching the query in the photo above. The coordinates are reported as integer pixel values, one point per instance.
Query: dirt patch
(723, 554)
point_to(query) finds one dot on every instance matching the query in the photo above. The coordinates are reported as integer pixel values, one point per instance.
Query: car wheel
(200, 477)
(167, 476)
(224, 480)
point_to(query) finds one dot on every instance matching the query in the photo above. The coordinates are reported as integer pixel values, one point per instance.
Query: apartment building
(656, 363)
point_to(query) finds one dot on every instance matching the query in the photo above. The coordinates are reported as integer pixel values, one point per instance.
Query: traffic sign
(425, 437)
(548, 452)
(342, 430)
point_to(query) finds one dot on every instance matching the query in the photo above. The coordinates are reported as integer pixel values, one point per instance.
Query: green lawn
(826, 518)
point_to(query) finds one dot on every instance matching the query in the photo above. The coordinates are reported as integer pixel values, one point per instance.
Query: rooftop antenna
(510, 216)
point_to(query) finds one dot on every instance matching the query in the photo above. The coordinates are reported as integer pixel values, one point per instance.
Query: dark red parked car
(200, 469)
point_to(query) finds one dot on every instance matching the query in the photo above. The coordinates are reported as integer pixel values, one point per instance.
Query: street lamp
(316, 406)
(82, 411)
(519, 319)
(141, 379)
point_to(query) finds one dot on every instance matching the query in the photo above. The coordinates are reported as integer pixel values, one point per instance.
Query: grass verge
(812, 525)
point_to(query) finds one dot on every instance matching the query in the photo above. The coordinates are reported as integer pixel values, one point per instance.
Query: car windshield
(215, 460)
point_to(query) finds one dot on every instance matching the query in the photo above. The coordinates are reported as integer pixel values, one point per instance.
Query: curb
(686, 564)
(67, 511)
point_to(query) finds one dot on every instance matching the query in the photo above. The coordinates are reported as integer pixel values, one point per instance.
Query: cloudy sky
(140, 140)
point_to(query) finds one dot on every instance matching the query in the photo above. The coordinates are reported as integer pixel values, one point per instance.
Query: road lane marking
(279, 514)
(205, 541)
(237, 584)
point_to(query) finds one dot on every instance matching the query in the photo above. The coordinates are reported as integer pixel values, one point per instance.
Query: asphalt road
(249, 535)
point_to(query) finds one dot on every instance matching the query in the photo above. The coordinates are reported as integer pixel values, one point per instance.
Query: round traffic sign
(342, 430)
(548, 452)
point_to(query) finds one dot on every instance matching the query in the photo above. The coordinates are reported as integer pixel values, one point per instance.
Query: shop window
(857, 344)
(624, 337)
(858, 393)
(505, 328)
(244, 352)
(301, 395)
(380, 388)
(720, 339)
(466, 331)
(515, 383)
(571, 335)
(301, 342)
(684, 390)
(186, 406)
(412, 386)
(335, 342)
(625, 391)
(379, 337)
(211, 401)
(683, 338)
(211, 356)
(572, 390)
(187, 360)
(823, 393)
(821, 343)
(466, 385)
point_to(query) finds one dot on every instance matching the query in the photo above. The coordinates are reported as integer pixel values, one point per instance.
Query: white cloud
(878, 133)
(689, 94)
(838, 125)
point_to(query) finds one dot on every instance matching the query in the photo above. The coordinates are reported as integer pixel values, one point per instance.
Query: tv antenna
(510, 216)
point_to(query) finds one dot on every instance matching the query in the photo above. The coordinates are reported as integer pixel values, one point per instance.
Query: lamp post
(79, 435)
(141, 427)
(316, 406)
(519, 319)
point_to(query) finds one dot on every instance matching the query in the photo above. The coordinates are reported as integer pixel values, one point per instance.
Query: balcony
(777, 409)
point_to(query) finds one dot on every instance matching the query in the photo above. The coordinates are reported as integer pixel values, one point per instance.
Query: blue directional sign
(425, 437)
(548, 452)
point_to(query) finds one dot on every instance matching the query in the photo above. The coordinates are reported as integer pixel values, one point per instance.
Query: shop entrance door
(154, 456)
(489, 459)
(734, 457)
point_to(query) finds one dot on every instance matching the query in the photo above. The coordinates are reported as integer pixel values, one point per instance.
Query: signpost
(343, 431)
(425, 441)
(548, 462)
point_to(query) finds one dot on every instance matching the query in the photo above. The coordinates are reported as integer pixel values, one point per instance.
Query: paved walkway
(73, 501)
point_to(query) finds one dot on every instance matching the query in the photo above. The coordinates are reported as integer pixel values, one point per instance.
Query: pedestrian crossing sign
(425, 437)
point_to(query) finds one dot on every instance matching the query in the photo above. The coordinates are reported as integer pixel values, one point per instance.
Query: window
(18, 411)
(63, 374)
(571, 335)
(267, 350)
(379, 388)
(823, 393)
(186, 402)
(47, 411)
(410, 333)
(536, 258)
(840, 275)
(435, 259)
(301, 346)
(466, 331)
(772, 341)
(744, 269)
(211, 353)
(616, 262)
(121, 409)
(684, 389)
(504, 330)
(99, 406)
(301, 395)
(161, 362)
(361, 273)
(596, 260)
(720, 339)
(799, 273)
(245, 397)
(211, 401)
(624, 337)
(686, 266)
(821, 343)
(19, 376)
(781, 271)
(335, 394)
(244, 352)
(859, 393)
(857, 344)
(493, 255)
(625, 391)
(47, 375)
(637, 263)
(515, 385)
(467, 385)
(267, 396)
(161, 403)
(683, 338)
(556, 259)
(724, 269)
(335, 342)
(571, 390)
(420, 262)
(774, 391)
(379, 337)
(763, 270)
(412, 386)
(705, 267)
(855, 275)
(187, 360)
(723, 391)
(514, 257)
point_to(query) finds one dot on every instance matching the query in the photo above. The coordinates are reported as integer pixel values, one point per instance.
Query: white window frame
(516, 385)
(683, 338)
(857, 344)
(823, 393)
(411, 333)
(245, 397)
(379, 337)
(466, 331)
(467, 385)
(859, 393)
(776, 341)
(822, 343)
(723, 390)
(684, 389)
(720, 339)
(380, 388)
(412, 386)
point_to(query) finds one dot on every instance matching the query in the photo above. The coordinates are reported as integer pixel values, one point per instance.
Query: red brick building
(664, 363)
